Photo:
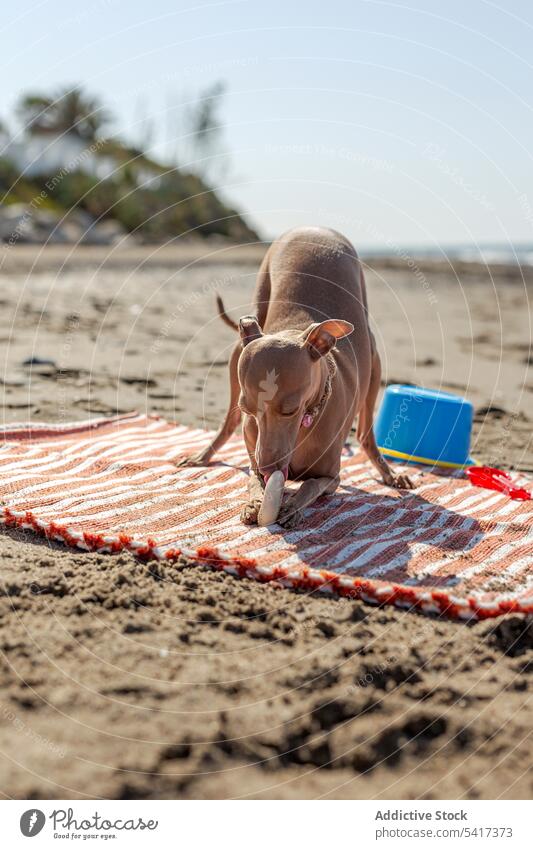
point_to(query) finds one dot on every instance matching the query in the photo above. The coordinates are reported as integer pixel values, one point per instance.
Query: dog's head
(281, 376)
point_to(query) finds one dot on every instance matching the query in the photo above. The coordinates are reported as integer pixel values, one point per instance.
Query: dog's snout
(266, 471)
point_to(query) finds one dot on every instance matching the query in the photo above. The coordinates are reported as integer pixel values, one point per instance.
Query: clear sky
(400, 123)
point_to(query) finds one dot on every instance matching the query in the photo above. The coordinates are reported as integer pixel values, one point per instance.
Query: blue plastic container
(424, 426)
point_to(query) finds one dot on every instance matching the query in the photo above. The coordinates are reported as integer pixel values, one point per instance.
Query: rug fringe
(428, 602)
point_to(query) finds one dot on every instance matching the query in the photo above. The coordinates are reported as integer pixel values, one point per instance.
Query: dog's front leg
(291, 513)
(256, 492)
(256, 486)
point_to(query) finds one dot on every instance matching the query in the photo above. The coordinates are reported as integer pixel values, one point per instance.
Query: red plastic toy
(489, 478)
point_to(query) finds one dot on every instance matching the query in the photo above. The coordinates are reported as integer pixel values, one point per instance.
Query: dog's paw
(192, 460)
(399, 482)
(290, 516)
(250, 512)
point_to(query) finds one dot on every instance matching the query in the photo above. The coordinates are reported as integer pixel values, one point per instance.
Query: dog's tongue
(285, 471)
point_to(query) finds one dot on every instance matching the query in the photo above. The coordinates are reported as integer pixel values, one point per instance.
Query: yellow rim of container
(414, 459)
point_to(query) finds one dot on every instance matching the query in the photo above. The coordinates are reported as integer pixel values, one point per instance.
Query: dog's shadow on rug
(401, 537)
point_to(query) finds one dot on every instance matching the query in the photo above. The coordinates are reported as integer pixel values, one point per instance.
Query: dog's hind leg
(365, 430)
(232, 420)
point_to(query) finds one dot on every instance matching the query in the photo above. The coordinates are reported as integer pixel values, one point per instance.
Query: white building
(38, 155)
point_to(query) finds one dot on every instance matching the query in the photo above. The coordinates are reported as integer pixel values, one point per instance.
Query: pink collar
(309, 417)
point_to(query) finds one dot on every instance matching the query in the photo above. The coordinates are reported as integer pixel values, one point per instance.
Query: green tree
(203, 129)
(72, 111)
(4, 132)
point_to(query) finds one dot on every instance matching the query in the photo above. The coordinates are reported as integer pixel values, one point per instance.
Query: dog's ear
(249, 329)
(321, 338)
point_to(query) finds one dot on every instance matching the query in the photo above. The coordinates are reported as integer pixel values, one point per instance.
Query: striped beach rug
(112, 484)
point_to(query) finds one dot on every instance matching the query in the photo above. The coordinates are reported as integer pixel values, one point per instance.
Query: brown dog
(300, 391)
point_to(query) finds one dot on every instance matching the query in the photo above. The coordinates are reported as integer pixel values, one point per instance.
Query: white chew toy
(270, 507)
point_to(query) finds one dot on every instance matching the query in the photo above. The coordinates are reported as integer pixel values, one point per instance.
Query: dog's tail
(224, 316)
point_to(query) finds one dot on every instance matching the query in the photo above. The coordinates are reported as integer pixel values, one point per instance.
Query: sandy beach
(124, 681)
